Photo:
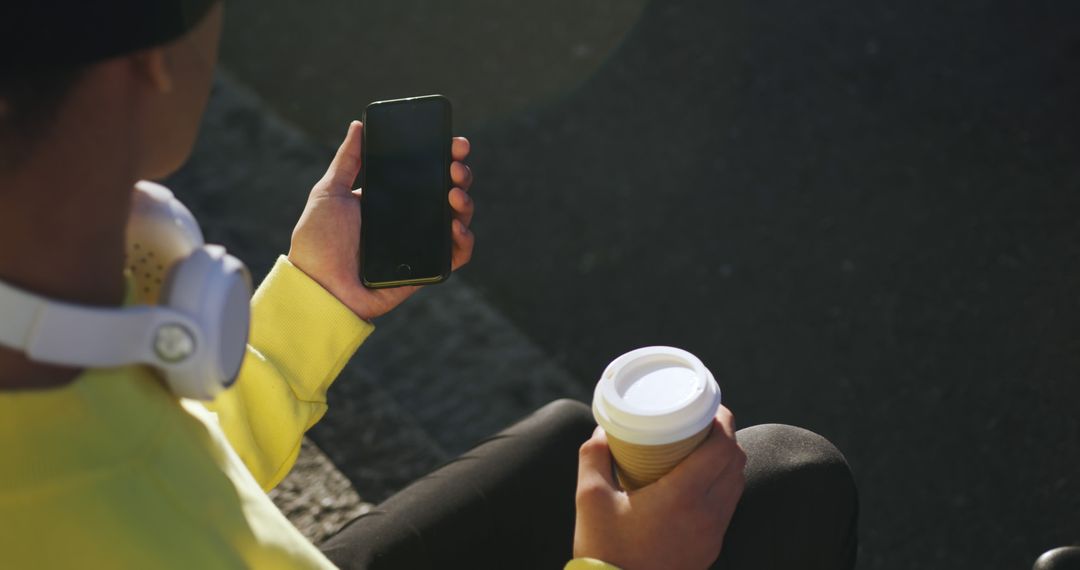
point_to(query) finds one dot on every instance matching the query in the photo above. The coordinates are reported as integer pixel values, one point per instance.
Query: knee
(568, 406)
(564, 419)
(1064, 558)
(799, 462)
(567, 410)
(799, 508)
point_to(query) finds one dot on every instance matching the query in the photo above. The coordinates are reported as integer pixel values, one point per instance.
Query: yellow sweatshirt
(113, 471)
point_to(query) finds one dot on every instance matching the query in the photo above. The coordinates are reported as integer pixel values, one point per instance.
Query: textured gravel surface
(316, 497)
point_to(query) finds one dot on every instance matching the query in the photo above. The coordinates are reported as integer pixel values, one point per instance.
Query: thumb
(346, 164)
(594, 462)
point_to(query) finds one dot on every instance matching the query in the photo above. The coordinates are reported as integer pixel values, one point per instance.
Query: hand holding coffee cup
(657, 405)
(679, 520)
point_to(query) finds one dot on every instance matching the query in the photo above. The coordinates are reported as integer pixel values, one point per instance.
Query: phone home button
(404, 270)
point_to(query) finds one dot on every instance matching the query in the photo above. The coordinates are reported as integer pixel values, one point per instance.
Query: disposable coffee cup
(657, 405)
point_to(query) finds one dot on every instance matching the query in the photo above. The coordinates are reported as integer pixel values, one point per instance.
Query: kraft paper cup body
(657, 405)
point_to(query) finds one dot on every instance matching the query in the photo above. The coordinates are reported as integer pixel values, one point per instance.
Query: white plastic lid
(655, 395)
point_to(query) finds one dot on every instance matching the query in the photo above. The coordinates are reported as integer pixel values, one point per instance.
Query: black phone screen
(405, 226)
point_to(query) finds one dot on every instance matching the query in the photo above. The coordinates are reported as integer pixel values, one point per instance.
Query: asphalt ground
(863, 216)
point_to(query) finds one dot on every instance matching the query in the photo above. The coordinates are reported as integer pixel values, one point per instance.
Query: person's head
(147, 90)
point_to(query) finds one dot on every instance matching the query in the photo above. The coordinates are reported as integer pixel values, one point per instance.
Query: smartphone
(405, 176)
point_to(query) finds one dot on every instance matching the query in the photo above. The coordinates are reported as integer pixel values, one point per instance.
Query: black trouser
(509, 502)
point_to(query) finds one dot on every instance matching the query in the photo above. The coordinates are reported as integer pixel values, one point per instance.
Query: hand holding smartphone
(405, 176)
(326, 242)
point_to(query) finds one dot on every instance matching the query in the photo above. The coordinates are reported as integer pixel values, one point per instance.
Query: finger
(594, 463)
(726, 489)
(459, 149)
(461, 175)
(346, 164)
(463, 206)
(705, 464)
(726, 420)
(464, 242)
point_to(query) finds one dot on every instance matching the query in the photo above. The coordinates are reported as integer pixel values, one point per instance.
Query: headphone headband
(192, 325)
(73, 335)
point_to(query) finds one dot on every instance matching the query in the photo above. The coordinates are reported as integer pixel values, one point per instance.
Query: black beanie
(49, 34)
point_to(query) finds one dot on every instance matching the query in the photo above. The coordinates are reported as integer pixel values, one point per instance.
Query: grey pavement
(441, 372)
(863, 216)
(316, 497)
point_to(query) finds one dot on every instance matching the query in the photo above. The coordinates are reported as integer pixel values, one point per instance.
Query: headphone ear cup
(160, 232)
(213, 288)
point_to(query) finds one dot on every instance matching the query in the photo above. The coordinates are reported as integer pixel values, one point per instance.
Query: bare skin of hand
(326, 240)
(676, 523)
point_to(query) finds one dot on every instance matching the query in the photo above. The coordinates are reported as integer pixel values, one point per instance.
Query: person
(106, 467)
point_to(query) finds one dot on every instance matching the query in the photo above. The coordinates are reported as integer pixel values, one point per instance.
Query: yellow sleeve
(588, 564)
(301, 337)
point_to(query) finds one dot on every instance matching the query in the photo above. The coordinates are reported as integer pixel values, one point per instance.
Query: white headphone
(196, 333)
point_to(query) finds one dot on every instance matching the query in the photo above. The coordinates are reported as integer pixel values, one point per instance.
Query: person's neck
(63, 215)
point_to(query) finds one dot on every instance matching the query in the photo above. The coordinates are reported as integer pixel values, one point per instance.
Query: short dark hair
(28, 104)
